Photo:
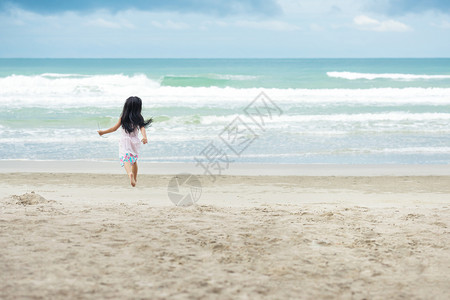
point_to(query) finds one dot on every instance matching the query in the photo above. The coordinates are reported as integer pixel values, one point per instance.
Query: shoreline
(235, 169)
(234, 190)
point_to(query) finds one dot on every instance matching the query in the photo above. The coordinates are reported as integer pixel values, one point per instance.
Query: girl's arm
(112, 129)
(144, 135)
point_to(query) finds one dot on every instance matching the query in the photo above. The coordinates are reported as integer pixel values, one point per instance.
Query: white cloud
(169, 24)
(268, 25)
(273, 25)
(391, 25)
(100, 22)
(363, 22)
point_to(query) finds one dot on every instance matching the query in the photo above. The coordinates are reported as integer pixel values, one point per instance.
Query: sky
(224, 29)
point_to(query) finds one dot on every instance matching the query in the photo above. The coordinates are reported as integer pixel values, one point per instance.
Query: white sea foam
(395, 119)
(60, 90)
(234, 77)
(405, 150)
(72, 86)
(366, 117)
(393, 76)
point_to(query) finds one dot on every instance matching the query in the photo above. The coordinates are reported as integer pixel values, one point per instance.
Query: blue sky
(232, 28)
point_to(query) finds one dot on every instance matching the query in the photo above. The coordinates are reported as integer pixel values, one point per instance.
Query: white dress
(129, 145)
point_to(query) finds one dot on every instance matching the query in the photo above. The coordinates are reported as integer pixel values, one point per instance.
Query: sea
(321, 111)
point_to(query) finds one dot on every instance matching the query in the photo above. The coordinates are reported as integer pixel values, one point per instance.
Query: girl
(129, 144)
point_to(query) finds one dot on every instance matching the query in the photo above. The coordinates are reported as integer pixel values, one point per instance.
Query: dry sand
(248, 237)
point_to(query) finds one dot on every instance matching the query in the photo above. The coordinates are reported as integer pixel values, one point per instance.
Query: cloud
(268, 25)
(100, 22)
(229, 7)
(363, 22)
(169, 24)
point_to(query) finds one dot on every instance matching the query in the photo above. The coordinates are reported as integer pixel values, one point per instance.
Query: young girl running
(129, 144)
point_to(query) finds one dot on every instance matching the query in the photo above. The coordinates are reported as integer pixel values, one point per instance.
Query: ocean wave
(215, 76)
(204, 80)
(49, 84)
(235, 77)
(400, 150)
(60, 75)
(366, 117)
(75, 90)
(286, 121)
(411, 150)
(393, 76)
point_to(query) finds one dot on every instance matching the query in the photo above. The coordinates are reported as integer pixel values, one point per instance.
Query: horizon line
(368, 57)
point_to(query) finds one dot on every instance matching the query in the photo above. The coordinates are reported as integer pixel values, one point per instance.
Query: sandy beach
(318, 234)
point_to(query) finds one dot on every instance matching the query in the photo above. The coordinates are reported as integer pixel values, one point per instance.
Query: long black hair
(131, 117)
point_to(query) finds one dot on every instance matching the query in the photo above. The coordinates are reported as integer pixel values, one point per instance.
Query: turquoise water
(248, 73)
(331, 110)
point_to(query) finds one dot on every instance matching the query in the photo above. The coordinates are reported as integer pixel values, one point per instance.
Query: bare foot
(132, 181)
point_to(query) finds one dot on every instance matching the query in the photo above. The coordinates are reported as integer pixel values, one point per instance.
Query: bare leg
(134, 169)
(128, 167)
